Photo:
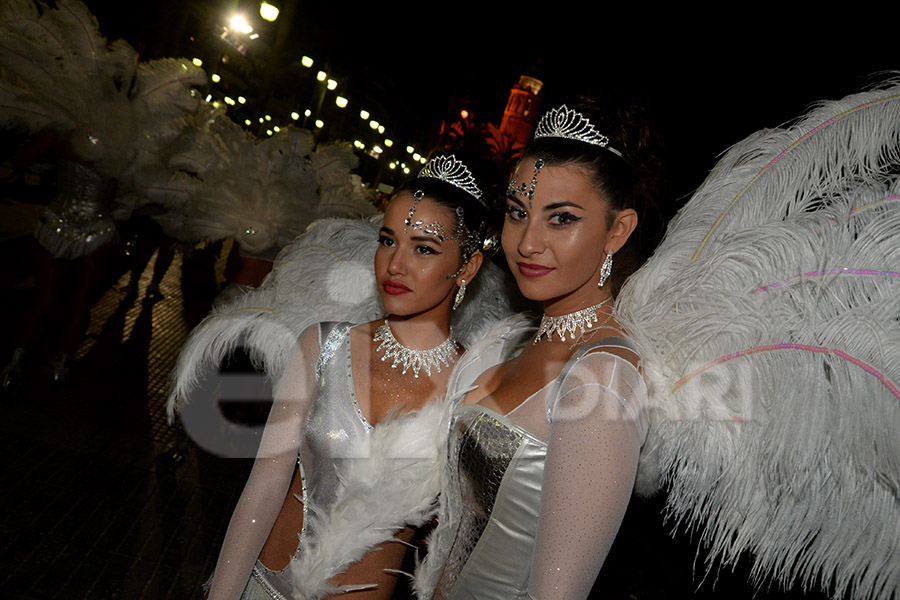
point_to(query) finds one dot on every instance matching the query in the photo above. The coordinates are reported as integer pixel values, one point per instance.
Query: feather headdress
(58, 72)
(220, 182)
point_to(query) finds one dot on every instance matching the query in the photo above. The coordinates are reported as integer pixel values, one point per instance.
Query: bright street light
(341, 101)
(319, 123)
(388, 143)
(373, 124)
(321, 75)
(268, 11)
(239, 23)
(364, 114)
(332, 84)
(410, 149)
(215, 78)
(295, 115)
(197, 62)
(306, 62)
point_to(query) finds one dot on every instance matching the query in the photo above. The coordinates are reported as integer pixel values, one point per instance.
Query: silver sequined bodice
(333, 424)
(496, 471)
(77, 221)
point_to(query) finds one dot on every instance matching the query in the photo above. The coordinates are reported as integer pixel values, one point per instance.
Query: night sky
(713, 77)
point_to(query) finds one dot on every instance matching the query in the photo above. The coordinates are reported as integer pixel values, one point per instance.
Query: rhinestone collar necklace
(568, 324)
(444, 353)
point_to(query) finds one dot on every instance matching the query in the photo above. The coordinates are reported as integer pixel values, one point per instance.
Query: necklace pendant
(572, 324)
(438, 357)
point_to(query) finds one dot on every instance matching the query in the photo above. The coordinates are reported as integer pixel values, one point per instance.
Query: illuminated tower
(521, 113)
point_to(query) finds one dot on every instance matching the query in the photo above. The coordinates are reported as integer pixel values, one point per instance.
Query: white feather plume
(221, 182)
(58, 72)
(394, 483)
(324, 275)
(768, 321)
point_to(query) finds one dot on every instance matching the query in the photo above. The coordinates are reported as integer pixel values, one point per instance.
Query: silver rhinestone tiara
(453, 171)
(570, 124)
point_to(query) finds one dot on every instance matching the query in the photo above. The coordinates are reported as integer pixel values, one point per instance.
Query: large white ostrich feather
(221, 182)
(326, 274)
(58, 72)
(769, 325)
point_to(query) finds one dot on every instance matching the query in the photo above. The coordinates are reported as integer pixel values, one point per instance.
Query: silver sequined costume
(523, 490)
(361, 484)
(78, 220)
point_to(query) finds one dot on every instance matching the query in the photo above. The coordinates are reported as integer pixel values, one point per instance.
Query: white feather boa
(494, 347)
(394, 486)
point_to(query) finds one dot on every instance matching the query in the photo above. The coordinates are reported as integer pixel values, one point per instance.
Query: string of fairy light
(270, 125)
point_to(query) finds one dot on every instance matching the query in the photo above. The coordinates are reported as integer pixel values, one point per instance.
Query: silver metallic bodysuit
(361, 484)
(526, 518)
(333, 424)
(77, 221)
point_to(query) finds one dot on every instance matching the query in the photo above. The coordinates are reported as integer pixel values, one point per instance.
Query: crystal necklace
(445, 353)
(578, 320)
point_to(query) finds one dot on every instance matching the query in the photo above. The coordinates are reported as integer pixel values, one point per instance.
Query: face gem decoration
(435, 229)
(517, 189)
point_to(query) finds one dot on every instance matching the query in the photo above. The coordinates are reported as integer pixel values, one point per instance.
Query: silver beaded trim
(444, 354)
(332, 343)
(570, 124)
(563, 325)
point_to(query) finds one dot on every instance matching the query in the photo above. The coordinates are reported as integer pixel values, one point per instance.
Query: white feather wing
(769, 325)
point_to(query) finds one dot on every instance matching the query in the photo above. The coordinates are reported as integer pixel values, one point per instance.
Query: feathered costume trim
(324, 275)
(395, 486)
(220, 182)
(493, 348)
(768, 322)
(58, 72)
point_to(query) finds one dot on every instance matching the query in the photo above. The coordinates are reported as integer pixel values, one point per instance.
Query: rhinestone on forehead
(435, 228)
(517, 189)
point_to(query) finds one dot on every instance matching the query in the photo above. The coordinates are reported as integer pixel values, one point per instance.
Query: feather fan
(769, 325)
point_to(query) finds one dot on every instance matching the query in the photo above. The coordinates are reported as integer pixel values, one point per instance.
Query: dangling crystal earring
(460, 294)
(605, 269)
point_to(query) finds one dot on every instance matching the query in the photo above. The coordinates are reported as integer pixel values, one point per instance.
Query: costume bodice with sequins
(78, 220)
(494, 490)
(338, 450)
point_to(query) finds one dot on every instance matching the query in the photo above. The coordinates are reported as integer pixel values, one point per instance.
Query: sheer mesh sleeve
(269, 481)
(597, 427)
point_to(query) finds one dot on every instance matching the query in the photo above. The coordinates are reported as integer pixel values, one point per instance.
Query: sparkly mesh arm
(597, 427)
(269, 481)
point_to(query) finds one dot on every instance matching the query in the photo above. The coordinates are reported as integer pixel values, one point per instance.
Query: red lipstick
(529, 270)
(394, 288)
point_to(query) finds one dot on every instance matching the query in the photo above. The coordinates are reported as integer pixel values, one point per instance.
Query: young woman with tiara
(359, 404)
(725, 367)
(544, 448)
